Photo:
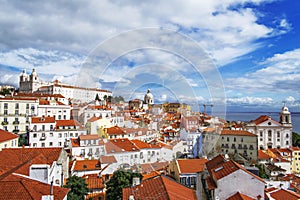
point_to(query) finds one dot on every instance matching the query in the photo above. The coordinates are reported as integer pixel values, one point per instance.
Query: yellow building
(8, 140)
(295, 164)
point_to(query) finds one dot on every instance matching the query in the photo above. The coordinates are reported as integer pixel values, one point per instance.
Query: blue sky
(253, 44)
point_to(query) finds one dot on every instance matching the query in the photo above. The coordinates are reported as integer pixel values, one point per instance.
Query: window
(5, 112)
(227, 139)
(34, 145)
(71, 134)
(16, 112)
(16, 106)
(51, 134)
(242, 139)
(43, 144)
(51, 127)
(5, 105)
(269, 133)
(234, 139)
(59, 144)
(76, 134)
(278, 133)
(50, 144)
(43, 127)
(287, 142)
(60, 135)
(261, 134)
(287, 135)
(27, 106)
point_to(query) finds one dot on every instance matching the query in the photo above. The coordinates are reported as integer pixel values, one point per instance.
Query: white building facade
(31, 83)
(15, 113)
(273, 134)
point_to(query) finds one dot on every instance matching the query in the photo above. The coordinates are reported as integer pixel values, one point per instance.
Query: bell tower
(285, 116)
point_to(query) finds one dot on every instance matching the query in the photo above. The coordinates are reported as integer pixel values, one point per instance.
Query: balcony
(16, 131)
(4, 123)
(16, 122)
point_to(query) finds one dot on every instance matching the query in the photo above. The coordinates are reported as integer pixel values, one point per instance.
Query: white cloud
(290, 99)
(280, 72)
(80, 26)
(250, 100)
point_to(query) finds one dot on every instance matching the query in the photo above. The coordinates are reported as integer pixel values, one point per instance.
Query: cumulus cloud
(78, 27)
(249, 100)
(280, 72)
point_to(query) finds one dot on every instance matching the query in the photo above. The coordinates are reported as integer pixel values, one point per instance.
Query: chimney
(135, 181)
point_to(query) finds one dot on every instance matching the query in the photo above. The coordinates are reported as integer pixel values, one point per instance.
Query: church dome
(148, 99)
(285, 110)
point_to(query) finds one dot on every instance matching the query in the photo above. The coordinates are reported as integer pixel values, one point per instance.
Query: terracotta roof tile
(108, 159)
(94, 182)
(5, 136)
(75, 142)
(191, 166)
(237, 132)
(115, 130)
(284, 194)
(89, 137)
(159, 187)
(264, 118)
(239, 196)
(17, 187)
(70, 122)
(125, 144)
(14, 157)
(36, 120)
(87, 165)
(262, 155)
(150, 175)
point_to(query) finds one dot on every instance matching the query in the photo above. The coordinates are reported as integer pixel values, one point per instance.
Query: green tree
(118, 181)
(296, 139)
(78, 188)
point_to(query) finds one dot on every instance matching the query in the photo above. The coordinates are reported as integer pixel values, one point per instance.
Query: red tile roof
(93, 181)
(86, 165)
(239, 196)
(237, 132)
(70, 122)
(5, 136)
(75, 142)
(262, 155)
(264, 118)
(125, 144)
(284, 194)
(108, 159)
(151, 175)
(89, 137)
(191, 166)
(159, 187)
(36, 120)
(115, 131)
(219, 168)
(16, 187)
(21, 158)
